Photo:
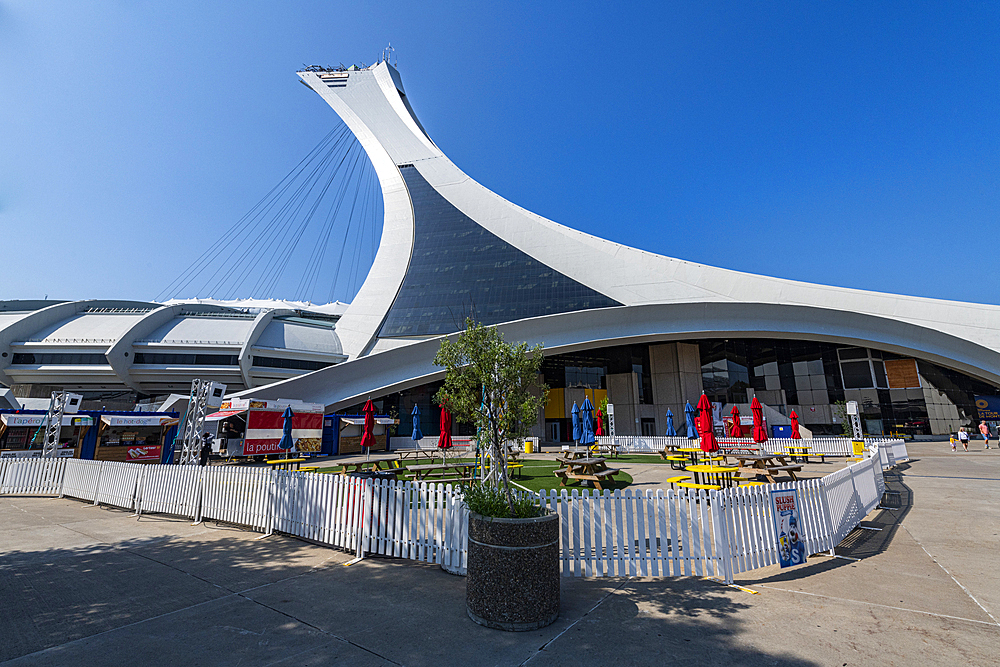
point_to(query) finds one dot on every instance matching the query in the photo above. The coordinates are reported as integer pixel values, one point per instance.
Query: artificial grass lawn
(538, 474)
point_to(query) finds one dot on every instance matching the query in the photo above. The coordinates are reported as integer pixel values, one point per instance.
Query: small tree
(840, 412)
(489, 384)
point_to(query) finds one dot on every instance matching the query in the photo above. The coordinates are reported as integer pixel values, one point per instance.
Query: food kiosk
(351, 428)
(22, 434)
(253, 427)
(133, 437)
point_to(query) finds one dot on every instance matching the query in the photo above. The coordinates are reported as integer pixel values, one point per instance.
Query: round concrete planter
(513, 572)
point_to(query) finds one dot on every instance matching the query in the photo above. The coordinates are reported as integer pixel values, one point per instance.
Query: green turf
(538, 474)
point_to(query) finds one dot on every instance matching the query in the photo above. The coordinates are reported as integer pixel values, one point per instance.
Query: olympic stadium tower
(648, 331)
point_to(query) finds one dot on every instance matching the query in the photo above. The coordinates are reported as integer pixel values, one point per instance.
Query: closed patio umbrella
(671, 431)
(599, 418)
(586, 423)
(759, 432)
(417, 435)
(444, 439)
(577, 427)
(736, 430)
(795, 426)
(705, 426)
(286, 430)
(368, 435)
(692, 432)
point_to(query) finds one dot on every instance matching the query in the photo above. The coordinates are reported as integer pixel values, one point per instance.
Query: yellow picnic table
(285, 464)
(721, 473)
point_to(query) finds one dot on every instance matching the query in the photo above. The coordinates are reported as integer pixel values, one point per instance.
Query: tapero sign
(788, 527)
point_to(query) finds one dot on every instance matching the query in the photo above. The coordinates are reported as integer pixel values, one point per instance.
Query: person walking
(963, 437)
(984, 428)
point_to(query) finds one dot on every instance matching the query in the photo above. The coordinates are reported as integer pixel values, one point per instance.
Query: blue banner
(988, 407)
(788, 527)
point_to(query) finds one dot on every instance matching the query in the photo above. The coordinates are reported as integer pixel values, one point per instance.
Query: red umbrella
(444, 440)
(368, 435)
(759, 432)
(795, 426)
(704, 425)
(600, 423)
(736, 431)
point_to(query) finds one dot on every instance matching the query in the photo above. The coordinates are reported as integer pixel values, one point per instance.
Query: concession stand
(253, 427)
(22, 434)
(136, 437)
(348, 439)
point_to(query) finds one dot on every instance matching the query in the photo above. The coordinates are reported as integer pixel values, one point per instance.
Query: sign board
(13, 420)
(35, 454)
(143, 453)
(120, 420)
(746, 420)
(902, 373)
(988, 407)
(852, 407)
(788, 527)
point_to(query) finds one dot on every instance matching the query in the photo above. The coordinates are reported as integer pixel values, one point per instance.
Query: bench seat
(692, 485)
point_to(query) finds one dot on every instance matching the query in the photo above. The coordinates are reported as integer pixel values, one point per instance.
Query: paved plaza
(84, 585)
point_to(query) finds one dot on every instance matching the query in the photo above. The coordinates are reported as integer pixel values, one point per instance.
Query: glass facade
(459, 269)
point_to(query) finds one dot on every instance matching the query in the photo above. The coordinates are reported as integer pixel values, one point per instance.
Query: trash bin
(782, 431)
(529, 447)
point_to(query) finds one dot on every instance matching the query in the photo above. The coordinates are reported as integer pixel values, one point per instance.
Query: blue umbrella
(577, 429)
(689, 416)
(286, 430)
(671, 431)
(417, 435)
(587, 423)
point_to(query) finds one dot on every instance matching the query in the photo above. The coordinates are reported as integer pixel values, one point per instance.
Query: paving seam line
(967, 591)
(570, 626)
(876, 604)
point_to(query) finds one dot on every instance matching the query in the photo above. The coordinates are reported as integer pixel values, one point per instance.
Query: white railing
(899, 451)
(461, 442)
(824, 446)
(621, 533)
(634, 533)
(31, 477)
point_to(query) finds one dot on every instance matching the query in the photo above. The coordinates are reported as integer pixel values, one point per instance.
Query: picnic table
(462, 472)
(285, 464)
(722, 474)
(368, 466)
(585, 469)
(800, 453)
(767, 465)
(417, 454)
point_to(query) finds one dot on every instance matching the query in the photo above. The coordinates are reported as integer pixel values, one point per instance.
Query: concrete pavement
(81, 585)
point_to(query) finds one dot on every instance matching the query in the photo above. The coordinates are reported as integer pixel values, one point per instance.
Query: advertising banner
(143, 453)
(13, 420)
(264, 428)
(788, 527)
(988, 407)
(35, 454)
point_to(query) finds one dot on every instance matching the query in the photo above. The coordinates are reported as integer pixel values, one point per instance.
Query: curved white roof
(158, 348)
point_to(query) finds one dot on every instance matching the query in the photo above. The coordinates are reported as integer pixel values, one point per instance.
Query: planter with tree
(513, 559)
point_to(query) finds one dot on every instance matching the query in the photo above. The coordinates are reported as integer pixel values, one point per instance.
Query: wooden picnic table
(593, 469)
(368, 466)
(767, 465)
(285, 464)
(418, 454)
(448, 471)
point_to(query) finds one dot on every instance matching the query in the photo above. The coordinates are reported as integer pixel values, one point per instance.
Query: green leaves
(492, 384)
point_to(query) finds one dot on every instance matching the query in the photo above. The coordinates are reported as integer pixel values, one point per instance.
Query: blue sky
(853, 144)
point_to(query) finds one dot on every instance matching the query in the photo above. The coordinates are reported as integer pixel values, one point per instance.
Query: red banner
(143, 453)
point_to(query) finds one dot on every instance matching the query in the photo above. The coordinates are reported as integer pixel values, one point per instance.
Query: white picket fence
(621, 533)
(635, 533)
(641, 444)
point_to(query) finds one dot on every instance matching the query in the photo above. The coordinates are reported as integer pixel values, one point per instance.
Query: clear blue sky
(853, 144)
